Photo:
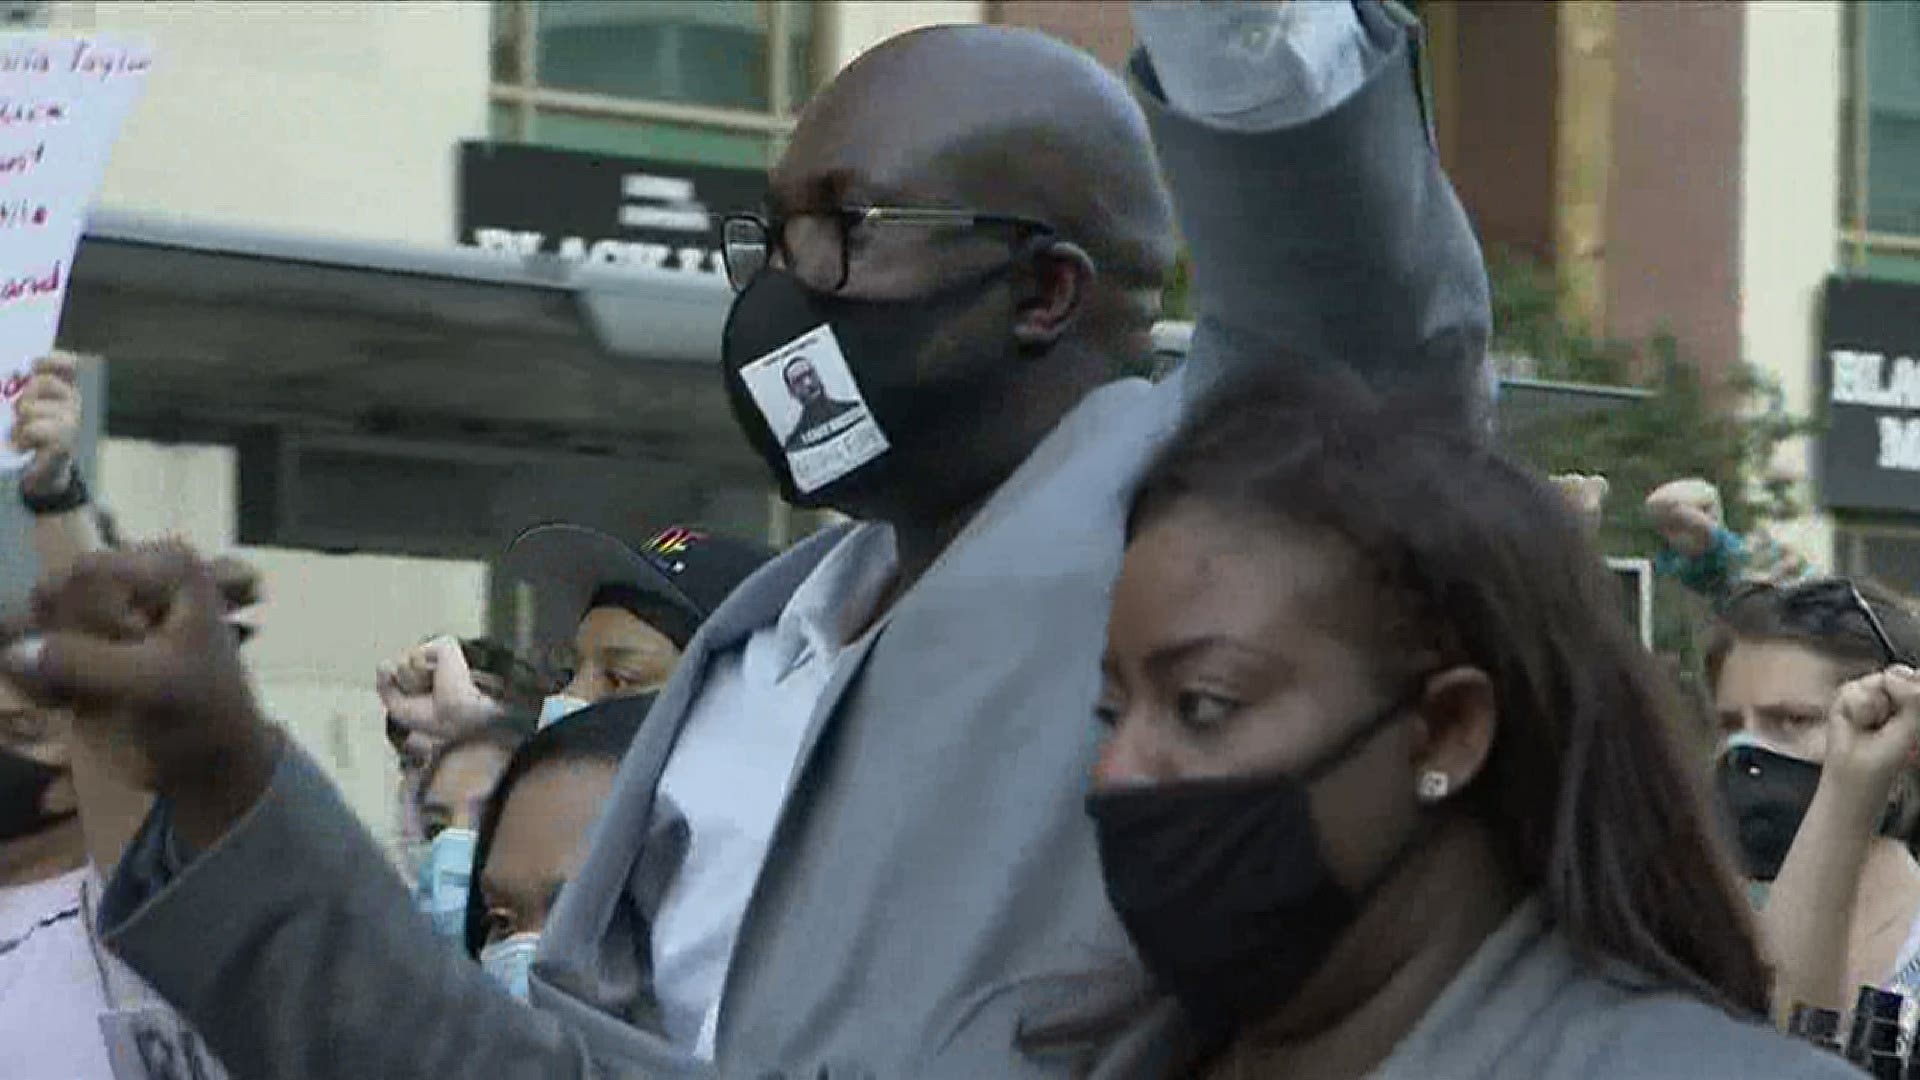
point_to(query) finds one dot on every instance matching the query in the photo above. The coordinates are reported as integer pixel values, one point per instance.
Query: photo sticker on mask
(814, 407)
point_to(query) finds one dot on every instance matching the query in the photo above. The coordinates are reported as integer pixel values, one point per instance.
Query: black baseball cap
(673, 581)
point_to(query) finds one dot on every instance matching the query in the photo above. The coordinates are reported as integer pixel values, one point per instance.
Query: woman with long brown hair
(1390, 789)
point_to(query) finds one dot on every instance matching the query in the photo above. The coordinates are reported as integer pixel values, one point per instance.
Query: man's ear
(1052, 294)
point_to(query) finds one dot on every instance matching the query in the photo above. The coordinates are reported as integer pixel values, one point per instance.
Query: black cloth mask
(23, 795)
(882, 340)
(1223, 886)
(1764, 796)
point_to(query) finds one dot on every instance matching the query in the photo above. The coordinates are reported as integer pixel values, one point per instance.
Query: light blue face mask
(558, 707)
(445, 877)
(510, 962)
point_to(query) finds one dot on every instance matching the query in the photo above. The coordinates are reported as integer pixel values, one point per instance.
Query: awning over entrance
(210, 330)
(417, 401)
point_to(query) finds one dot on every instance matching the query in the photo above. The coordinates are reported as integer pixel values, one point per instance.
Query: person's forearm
(60, 539)
(294, 951)
(110, 810)
(206, 809)
(1808, 920)
(1332, 239)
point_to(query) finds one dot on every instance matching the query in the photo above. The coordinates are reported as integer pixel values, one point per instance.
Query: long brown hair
(1476, 561)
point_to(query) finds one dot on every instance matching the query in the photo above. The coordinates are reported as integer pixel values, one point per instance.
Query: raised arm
(251, 899)
(46, 424)
(1311, 196)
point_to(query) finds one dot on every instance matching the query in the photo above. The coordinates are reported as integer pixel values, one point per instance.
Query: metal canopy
(213, 331)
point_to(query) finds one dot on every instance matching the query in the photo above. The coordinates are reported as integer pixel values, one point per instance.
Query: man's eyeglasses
(817, 246)
(1827, 607)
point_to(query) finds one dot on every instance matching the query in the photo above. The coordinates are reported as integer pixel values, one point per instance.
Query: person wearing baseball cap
(611, 619)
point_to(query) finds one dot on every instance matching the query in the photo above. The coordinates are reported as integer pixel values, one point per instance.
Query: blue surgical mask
(510, 962)
(445, 877)
(559, 707)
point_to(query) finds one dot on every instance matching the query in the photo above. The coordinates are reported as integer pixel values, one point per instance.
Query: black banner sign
(1870, 379)
(527, 200)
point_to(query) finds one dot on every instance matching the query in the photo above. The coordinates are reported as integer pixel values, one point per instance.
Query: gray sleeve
(293, 948)
(1336, 239)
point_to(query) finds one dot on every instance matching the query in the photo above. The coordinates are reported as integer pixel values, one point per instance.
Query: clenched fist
(135, 644)
(1686, 513)
(1586, 495)
(1873, 728)
(430, 690)
(46, 423)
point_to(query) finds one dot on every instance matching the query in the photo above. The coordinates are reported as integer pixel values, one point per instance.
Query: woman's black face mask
(1224, 886)
(24, 783)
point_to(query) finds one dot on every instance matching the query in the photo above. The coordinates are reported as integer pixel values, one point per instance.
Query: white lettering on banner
(682, 212)
(644, 254)
(508, 242)
(667, 189)
(663, 217)
(1900, 443)
(62, 100)
(1864, 378)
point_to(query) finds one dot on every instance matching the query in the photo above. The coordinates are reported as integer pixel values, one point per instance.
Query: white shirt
(54, 981)
(729, 773)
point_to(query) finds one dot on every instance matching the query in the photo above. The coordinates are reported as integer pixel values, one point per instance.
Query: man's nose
(582, 687)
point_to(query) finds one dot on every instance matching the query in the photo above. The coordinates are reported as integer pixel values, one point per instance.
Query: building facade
(379, 284)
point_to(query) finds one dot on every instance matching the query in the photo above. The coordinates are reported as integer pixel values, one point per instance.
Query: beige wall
(1789, 229)
(859, 25)
(338, 118)
(327, 620)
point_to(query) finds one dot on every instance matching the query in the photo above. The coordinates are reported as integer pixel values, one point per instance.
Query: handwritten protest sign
(62, 99)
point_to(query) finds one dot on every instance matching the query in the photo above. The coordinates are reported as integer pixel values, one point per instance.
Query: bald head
(1002, 121)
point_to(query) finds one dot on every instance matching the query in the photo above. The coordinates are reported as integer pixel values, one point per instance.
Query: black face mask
(1764, 796)
(882, 341)
(1222, 885)
(23, 794)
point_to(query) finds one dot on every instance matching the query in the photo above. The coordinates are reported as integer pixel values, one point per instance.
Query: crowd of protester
(1263, 720)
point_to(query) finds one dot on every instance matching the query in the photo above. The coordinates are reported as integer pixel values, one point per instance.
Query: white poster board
(62, 99)
(1635, 577)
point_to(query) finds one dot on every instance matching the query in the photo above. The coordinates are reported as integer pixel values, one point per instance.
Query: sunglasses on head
(1823, 606)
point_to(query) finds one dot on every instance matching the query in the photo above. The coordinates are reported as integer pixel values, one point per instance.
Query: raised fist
(46, 422)
(135, 643)
(1686, 513)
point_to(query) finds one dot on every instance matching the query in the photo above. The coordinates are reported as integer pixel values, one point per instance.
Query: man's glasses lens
(744, 244)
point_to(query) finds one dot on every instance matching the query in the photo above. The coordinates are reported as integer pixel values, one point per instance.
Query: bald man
(849, 841)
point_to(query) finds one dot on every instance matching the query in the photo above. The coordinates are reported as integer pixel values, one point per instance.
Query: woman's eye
(1107, 716)
(1204, 712)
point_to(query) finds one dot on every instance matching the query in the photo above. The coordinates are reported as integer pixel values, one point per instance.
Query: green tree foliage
(1726, 431)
